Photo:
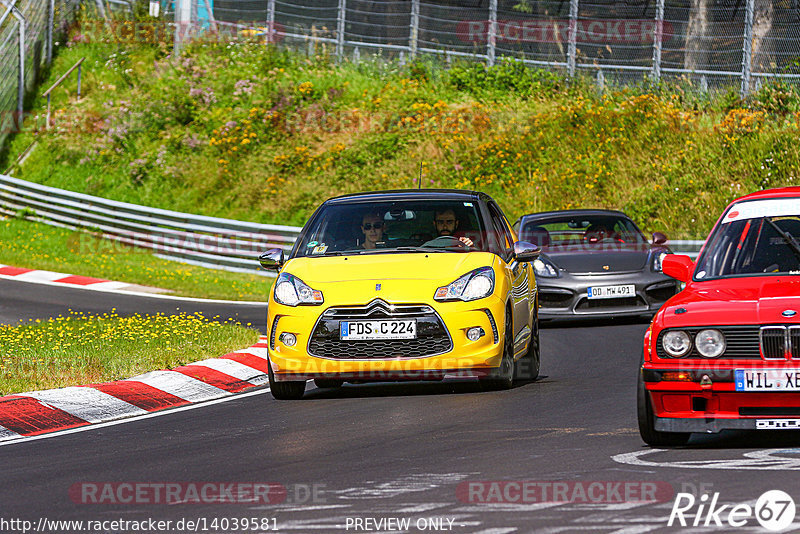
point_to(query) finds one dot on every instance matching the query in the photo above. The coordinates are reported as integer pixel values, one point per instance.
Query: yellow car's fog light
(288, 339)
(475, 333)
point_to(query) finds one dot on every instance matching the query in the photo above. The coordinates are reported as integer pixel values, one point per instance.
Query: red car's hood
(750, 300)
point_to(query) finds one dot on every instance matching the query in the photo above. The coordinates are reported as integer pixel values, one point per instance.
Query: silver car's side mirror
(659, 238)
(525, 252)
(272, 260)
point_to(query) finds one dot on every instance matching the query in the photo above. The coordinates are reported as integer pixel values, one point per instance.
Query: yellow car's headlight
(474, 285)
(291, 291)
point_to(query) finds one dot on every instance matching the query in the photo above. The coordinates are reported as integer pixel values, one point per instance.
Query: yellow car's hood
(442, 267)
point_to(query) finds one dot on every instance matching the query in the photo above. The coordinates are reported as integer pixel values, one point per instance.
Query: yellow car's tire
(527, 367)
(328, 383)
(503, 376)
(285, 390)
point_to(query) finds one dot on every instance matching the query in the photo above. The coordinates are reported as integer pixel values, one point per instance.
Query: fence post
(270, 21)
(21, 88)
(17, 14)
(658, 40)
(340, 22)
(50, 16)
(413, 36)
(183, 21)
(491, 34)
(572, 50)
(747, 52)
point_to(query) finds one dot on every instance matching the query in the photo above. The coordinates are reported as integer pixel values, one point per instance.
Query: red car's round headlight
(677, 343)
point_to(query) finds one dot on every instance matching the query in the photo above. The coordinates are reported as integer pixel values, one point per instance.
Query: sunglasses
(370, 226)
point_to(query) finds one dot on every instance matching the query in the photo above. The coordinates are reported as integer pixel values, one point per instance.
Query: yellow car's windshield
(396, 226)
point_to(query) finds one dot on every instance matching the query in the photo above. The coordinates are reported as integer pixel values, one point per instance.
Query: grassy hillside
(242, 130)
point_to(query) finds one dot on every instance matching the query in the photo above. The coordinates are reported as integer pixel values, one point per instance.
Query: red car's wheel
(650, 435)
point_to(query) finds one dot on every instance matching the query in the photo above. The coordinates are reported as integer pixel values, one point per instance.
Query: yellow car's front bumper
(465, 358)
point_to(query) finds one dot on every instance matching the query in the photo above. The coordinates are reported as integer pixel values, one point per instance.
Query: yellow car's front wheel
(285, 390)
(503, 376)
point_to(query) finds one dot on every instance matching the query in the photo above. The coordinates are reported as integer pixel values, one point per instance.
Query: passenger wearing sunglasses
(372, 227)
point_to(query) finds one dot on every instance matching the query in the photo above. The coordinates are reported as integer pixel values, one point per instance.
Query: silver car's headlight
(474, 285)
(710, 343)
(677, 343)
(656, 262)
(291, 291)
(544, 268)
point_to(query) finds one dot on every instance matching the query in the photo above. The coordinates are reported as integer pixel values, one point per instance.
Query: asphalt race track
(368, 457)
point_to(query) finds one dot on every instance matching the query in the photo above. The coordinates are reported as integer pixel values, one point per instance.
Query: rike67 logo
(774, 510)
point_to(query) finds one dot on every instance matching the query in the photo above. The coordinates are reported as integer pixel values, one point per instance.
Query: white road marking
(88, 428)
(180, 385)
(235, 369)
(32, 279)
(7, 434)
(87, 403)
(41, 276)
(636, 529)
(507, 507)
(107, 285)
(759, 460)
(402, 486)
(260, 352)
(424, 507)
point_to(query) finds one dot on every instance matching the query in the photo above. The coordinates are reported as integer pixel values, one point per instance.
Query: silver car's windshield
(396, 226)
(572, 229)
(765, 245)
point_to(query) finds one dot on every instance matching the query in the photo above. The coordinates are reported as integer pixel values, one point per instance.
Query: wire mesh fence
(708, 43)
(28, 31)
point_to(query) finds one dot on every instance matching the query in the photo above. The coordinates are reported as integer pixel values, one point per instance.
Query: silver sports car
(596, 263)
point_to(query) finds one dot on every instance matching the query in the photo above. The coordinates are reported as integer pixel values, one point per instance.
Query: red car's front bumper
(713, 404)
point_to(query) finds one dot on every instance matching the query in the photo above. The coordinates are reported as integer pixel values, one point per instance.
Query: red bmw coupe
(725, 352)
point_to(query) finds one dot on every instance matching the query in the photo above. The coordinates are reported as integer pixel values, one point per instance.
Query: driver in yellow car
(446, 223)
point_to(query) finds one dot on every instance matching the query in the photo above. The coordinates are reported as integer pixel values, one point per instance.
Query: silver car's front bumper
(567, 296)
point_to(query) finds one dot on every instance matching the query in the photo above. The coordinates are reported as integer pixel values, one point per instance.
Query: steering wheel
(445, 241)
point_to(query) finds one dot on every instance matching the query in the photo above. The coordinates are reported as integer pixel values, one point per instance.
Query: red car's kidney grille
(773, 342)
(794, 340)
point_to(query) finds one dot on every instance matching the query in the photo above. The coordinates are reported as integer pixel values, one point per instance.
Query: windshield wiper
(786, 237)
(401, 249)
(422, 249)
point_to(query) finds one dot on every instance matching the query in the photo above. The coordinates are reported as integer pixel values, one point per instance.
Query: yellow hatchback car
(403, 285)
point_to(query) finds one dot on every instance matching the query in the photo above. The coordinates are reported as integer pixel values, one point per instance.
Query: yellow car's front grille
(432, 335)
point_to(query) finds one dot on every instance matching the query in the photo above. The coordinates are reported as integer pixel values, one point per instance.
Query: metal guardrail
(689, 247)
(206, 241)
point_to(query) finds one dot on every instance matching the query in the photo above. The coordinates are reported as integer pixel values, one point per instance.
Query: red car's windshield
(755, 238)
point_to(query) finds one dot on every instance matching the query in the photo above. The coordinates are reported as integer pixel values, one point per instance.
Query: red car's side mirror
(678, 266)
